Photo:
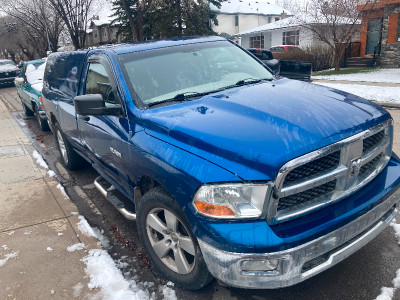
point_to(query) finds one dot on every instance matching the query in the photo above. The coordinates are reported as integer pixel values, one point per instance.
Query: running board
(114, 199)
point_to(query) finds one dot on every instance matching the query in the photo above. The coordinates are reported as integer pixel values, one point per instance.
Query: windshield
(34, 72)
(196, 69)
(7, 62)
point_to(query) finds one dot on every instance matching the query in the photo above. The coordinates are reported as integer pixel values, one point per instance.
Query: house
(288, 31)
(380, 31)
(236, 16)
(101, 32)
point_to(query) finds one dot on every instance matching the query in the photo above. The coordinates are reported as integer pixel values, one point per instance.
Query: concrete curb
(387, 104)
(368, 83)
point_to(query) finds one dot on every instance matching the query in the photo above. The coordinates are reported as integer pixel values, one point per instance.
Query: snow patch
(39, 159)
(77, 290)
(22, 123)
(168, 293)
(74, 213)
(105, 275)
(76, 247)
(52, 292)
(28, 232)
(377, 93)
(386, 292)
(8, 256)
(60, 234)
(4, 247)
(61, 188)
(87, 230)
(51, 173)
(49, 249)
(11, 233)
(380, 75)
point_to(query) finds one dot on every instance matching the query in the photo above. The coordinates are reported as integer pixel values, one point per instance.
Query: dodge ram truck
(230, 172)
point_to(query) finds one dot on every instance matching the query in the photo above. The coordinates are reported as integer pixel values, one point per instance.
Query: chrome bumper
(302, 262)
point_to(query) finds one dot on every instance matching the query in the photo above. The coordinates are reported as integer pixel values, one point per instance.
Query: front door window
(374, 36)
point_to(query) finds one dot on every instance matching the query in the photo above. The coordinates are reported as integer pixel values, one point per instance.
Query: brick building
(380, 31)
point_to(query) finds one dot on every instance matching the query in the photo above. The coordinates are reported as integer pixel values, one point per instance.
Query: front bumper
(7, 80)
(302, 262)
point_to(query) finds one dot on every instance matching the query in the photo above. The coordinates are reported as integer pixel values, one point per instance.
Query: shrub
(321, 57)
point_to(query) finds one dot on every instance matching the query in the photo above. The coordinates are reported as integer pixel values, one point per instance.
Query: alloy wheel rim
(62, 147)
(170, 240)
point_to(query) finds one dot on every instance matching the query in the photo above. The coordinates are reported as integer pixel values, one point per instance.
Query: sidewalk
(37, 225)
(369, 83)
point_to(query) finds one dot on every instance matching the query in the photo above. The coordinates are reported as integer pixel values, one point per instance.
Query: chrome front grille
(329, 174)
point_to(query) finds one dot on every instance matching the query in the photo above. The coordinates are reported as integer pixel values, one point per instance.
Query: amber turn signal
(214, 210)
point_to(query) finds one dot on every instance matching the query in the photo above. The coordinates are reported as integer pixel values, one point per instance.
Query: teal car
(29, 88)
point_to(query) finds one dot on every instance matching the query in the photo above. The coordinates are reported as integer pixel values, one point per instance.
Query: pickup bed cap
(253, 130)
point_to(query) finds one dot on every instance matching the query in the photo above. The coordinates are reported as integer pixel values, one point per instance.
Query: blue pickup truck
(229, 172)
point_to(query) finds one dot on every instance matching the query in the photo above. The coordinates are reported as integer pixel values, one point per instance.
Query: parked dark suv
(8, 71)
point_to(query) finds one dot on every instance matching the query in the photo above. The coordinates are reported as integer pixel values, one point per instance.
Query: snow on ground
(387, 293)
(76, 247)
(39, 159)
(4, 247)
(61, 188)
(51, 173)
(8, 256)
(104, 273)
(379, 75)
(377, 93)
(49, 249)
(22, 123)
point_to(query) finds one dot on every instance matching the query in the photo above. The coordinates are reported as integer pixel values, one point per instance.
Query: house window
(277, 19)
(104, 30)
(269, 20)
(291, 37)
(95, 34)
(257, 41)
(236, 20)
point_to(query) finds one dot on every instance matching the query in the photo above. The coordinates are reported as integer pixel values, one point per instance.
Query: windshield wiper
(178, 97)
(250, 81)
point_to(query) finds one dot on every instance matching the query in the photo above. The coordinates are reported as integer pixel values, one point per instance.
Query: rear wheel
(69, 157)
(44, 126)
(27, 110)
(171, 245)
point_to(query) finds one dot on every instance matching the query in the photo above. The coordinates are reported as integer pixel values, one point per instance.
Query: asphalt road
(361, 276)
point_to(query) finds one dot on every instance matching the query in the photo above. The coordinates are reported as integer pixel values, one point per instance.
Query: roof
(35, 61)
(296, 21)
(283, 23)
(102, 21)
(157, 44)
(249, 7)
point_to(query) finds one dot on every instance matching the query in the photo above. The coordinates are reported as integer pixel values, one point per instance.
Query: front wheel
(27, 110)
(167, 238)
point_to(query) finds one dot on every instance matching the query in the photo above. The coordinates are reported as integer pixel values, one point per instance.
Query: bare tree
(37, 20)
(333, 22)
(75, 14)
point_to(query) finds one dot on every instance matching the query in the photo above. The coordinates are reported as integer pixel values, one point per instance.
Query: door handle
(84, 118)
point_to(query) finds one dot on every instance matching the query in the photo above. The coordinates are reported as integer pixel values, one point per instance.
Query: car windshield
(34, 72)
(186, 71)
(7, 62)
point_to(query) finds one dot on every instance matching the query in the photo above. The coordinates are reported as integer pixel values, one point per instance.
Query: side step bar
(114, 199)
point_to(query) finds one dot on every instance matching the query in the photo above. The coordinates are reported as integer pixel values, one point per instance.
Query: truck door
(104, 137)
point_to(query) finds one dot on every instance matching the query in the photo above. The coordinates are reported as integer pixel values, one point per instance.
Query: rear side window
(277, 50)
(63, 72)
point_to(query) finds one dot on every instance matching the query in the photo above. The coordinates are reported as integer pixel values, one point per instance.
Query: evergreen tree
(151, 19)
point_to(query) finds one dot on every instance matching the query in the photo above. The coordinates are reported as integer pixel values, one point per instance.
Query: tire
(157, 212)
(44, 126)
(27, 110)
(69, 157)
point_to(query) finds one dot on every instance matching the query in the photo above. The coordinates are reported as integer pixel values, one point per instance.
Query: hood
(252, 131)
(8, 68)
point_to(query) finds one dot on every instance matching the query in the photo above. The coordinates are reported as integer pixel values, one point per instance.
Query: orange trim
(392, 30)
(214, 210)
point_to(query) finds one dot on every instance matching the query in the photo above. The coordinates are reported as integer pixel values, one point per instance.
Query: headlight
(231, 200)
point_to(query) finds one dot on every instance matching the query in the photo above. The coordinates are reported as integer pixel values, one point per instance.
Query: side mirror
(18, 80)
(94, 105)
